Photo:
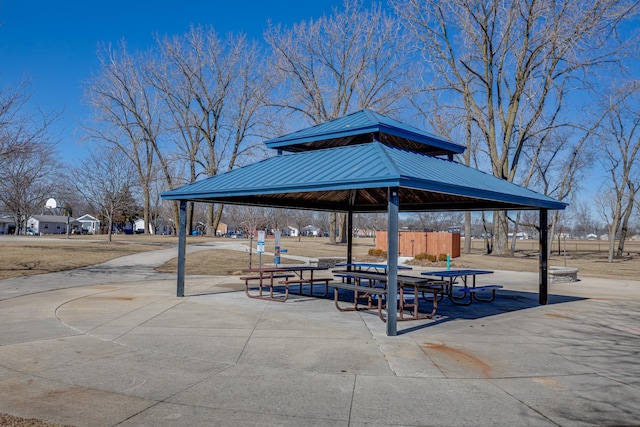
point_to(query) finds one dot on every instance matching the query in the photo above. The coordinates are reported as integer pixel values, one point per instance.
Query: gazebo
(365, 162)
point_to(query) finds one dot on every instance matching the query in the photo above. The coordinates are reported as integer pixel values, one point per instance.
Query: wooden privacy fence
(412, 243)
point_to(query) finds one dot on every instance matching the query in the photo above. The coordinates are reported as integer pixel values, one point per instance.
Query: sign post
(260, 247)
(276, 254)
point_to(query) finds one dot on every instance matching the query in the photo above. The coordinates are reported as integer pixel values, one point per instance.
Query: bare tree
(300, 218)
(126, 116)
(348, 61)
(620, 146)
(509, 66)
(214, 93)
(29, 169)
(102, 179)
(583, 219)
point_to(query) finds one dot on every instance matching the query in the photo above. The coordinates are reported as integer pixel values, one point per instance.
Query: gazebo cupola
(364, 127)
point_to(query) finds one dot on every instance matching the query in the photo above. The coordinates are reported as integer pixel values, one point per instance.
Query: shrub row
(377, 253)
(431, 258)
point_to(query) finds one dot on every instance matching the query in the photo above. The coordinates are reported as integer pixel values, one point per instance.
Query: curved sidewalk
(112, 345)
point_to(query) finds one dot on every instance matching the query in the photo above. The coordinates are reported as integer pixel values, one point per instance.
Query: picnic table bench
(360, 292)
(469, 290)
(472, 293)
(266, 279)
(310, 282)
(376, 285)
(262, 285)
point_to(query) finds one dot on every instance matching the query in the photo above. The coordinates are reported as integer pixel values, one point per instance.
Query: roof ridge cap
(384, 154)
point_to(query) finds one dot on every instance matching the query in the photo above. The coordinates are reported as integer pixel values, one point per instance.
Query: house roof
(356, 178)
(52, 219)
(363, 127)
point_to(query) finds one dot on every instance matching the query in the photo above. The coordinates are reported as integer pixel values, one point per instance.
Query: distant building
(162, 227)
(222, 229)
(7, 225)
(53, 224)
(89, 224)
(311, 230)
(291, 231)
(364, 232)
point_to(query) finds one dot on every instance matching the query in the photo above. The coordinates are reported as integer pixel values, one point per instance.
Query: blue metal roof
(356, 177)
(363, 127)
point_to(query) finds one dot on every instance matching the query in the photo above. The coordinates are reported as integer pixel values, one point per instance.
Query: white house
(291, 231)
(90, 224)
(162, 227)
(7, 225)
(53, 224)
(311, 230)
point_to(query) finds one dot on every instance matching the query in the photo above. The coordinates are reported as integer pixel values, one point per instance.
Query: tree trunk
(500, 233)
(342, 227)
(467, 232)
(216, 220)
(515, 235)
(624, 227)
(110, 228)
(332, 228)
(488, 241)
(190, 214)
(147, 209)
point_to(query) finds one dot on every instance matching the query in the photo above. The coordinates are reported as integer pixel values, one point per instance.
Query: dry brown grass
(35, 255)
(589, 257)
(225, 262)
(214, 262)
(7, 420)
(26, 257)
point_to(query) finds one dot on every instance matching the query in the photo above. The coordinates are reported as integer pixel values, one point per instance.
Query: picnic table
(270, 277)
(367, 284)
(370, 266)
(468, 291)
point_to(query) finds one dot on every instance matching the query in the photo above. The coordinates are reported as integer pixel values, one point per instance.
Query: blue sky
(54, 43)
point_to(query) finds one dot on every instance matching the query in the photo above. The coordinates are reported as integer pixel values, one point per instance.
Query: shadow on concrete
(505, 301)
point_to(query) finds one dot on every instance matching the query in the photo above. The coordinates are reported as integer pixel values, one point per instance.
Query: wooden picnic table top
(362, 274)
(369, 265)
(382, 277)
(284, 268)
(456, 273)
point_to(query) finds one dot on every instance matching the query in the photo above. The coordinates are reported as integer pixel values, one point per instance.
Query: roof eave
(516, 202)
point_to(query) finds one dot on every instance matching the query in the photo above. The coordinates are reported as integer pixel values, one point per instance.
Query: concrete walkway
(112, 345)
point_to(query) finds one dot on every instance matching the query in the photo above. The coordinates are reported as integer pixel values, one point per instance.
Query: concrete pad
(577, 399)
(353, 356)
(437, 402)
(63, 403)
(170, 414)
(108, 367)
(258, 390)
(112, 344)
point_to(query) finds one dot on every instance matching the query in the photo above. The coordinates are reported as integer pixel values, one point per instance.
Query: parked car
(32, 232)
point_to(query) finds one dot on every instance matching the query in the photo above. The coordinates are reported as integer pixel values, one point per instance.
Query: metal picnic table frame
(266, 277)
(471, 291)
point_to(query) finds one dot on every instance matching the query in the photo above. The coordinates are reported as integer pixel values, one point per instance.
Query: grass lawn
(27, 255)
